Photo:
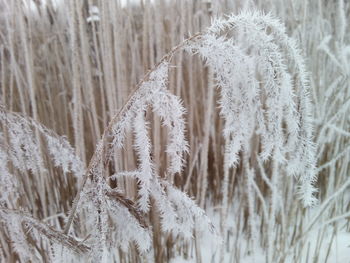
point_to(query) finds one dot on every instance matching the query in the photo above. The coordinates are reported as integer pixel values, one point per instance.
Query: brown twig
(48, 231)
(129, 205)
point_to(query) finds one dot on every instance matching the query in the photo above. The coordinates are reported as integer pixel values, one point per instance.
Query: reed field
(175, 131)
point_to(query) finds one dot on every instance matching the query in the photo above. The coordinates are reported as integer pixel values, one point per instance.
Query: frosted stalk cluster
(178, 213)
(258, 95)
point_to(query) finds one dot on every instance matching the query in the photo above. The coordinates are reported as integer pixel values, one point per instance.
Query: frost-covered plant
(22, 227)
(258, 95)
(21, 153)
(266, 106)
(178, 213)
(23, 147)
(114, 221)
(8, 182)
